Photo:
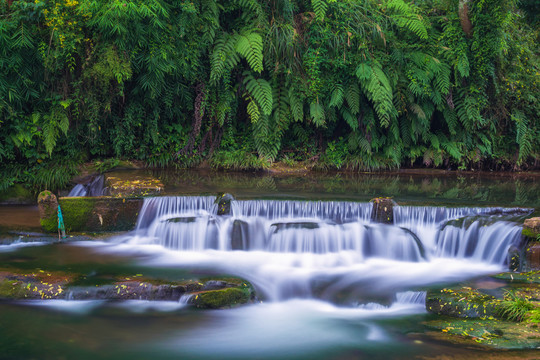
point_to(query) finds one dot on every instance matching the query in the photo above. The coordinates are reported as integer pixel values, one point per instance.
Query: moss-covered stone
(463, 302)
(492, 332)
(130, 184)
(48, 211)
(531, 228)
(97, 214)
(218, 299)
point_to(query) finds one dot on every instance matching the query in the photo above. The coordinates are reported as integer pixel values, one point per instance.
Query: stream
(330, 282)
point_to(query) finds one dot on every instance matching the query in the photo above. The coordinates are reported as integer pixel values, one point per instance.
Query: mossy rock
(490, 332)
(224, 203)
(531, 228)
(219, 299)
(463, 302)
(48, 211)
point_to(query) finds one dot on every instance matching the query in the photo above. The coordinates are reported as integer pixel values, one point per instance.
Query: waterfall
(96, 187)
(190, 223)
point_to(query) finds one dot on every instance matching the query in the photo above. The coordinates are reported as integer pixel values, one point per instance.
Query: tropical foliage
(343, 83)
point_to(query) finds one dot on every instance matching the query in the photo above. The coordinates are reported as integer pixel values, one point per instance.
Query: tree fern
(261, 91)
(349, 118)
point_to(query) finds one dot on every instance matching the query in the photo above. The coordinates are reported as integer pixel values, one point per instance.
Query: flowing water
(330, 282)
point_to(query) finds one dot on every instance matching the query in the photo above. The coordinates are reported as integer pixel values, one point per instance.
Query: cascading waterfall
(96, 187)
(329, 250)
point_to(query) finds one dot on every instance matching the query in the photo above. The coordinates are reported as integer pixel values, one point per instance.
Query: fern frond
(353, 97)
(319, 8)
(336, 99)
(250, 46)
(224, 57)
(405, 17)
(377, 88)
(296, 104)
(261, 91)
(316, 111)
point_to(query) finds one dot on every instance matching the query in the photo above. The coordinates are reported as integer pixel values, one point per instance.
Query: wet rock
(295, 225)
(216, 285)
(515, 259)
(383, 210)
(239, 235)
(464, 302)
(99, 214)
(532, 256)
(130, 184)
(219, 299)
(531, 228)
(48, 211)
(224, 204)
(188, 219)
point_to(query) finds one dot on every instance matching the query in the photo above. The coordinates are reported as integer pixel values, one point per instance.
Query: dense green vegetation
(351, 84)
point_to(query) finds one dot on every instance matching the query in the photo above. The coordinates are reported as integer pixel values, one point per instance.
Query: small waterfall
(411, 297)
(478, 240)
(185, 299)
(337, 211)
(422, 216)
(96, 187)
(157, 207)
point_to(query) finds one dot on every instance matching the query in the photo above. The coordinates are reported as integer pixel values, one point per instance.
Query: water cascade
(95, 187)
(328, 250)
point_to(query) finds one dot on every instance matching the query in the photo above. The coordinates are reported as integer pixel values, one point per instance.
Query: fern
(353, 97)
(253, 110)
(337, 97)
(250, 46)
(316, 111)
(261, 91)
(296, 104)
(378, 90)
(349, 118)
(224, 57)
(319, 8)
(405, 17)
(523, 136)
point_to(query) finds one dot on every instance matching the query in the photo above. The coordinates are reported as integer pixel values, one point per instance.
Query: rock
(218, 299)
(224, 204)
(383, 210)
(48, 211)
(514, 259)
(532, 256)
(130, 184)
(531, 228)
(239, 235)
(464, 302)
(98, 214)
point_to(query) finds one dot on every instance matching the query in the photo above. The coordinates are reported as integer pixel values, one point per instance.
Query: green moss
(217, 299)
(463, 302)
(529, 233)
(496, 333)
(13, 289)
(76, 212)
